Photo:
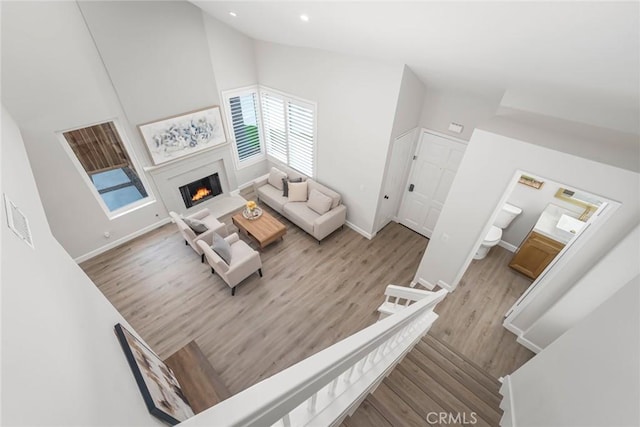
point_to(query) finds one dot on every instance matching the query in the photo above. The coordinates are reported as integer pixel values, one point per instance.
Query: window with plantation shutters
(275, 127)
(243, 113)
(289, 127)
(301, 149)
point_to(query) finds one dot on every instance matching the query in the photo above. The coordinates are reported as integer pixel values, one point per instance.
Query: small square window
(101, 153)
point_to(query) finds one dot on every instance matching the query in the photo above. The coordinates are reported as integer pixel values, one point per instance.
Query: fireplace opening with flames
(201, 190)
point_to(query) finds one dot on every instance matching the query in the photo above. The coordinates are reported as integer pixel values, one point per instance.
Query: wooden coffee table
(264, 230)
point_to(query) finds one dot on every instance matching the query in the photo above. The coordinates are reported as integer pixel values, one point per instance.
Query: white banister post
(398, 338)
(363, 362)
(375, 354)
(311, 406)
(393, 340)
(406, 331)
(332, 387)
(387, 347)
(347, 377)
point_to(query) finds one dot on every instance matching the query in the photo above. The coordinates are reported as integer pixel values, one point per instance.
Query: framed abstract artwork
(182, 135)
(157, 383)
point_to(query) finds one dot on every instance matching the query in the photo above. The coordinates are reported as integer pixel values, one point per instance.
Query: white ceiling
(585, 52)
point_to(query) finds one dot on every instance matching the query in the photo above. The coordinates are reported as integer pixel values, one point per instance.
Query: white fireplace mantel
(169, 177)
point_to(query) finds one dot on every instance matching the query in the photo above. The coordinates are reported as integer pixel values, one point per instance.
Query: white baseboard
(125, 239)
(507, 246)
(425, 284)
(445, 285)
(530, 345)
(520, 339)
(360, 230)
(511, 328)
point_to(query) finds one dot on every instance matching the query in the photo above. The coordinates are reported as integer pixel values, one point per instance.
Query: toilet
(493, 237)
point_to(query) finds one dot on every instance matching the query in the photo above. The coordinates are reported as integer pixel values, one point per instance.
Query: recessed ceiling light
(304, 17)
(233, 14)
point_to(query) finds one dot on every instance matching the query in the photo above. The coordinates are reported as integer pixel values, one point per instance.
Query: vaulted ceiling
(580, 56)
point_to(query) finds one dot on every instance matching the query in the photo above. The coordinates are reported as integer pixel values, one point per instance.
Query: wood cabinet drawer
(535, 253)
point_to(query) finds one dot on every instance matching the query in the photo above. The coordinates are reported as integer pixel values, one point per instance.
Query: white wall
(486, 171)
(443, 105)
(158, 57)
(590, 142)
(61, 361)
(149, 60)
(356, 105)
(532, 201)
(156, 54)
(407, 117)
(233, 60)
(611, 110)
(609, 274)
(53, 80)
(409, 104)
(588, 376)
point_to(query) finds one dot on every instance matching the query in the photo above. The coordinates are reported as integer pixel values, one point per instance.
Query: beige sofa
(316, 224)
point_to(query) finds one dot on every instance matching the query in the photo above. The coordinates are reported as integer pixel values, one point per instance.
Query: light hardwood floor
(311, 296)
(471, 317)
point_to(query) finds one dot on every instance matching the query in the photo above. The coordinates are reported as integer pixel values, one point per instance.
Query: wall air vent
(17, 221)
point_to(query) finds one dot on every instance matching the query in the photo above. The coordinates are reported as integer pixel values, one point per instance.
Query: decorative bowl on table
(252, 211)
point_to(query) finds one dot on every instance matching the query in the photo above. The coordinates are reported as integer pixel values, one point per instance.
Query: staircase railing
(399, 297)
(326, 387)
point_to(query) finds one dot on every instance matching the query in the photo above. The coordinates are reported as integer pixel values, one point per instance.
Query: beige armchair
(191, 238)
(244, 261)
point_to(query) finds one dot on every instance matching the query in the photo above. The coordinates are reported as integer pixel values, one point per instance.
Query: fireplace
(201, 190)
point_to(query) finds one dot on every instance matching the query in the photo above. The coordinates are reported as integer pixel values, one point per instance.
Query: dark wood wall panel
(98, 147)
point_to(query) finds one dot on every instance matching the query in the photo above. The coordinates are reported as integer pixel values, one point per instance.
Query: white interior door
(434, 166)
(401, 154)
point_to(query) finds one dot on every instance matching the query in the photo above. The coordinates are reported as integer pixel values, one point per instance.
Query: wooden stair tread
(394, 408)
(200, 383)
(367, 416)
(421, 402)
(480, 375)
(433, 385)
(489, 413)
(438, 392)
(490, 396)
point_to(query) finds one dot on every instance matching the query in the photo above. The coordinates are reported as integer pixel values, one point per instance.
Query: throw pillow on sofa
(298, 191)
(198, 227)
(285, 185)
(318, 202)
(222, 248)
(275, 178)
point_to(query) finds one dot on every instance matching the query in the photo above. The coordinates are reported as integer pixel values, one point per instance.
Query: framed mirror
(584, 200)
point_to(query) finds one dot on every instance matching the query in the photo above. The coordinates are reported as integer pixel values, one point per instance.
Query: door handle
(411, 187)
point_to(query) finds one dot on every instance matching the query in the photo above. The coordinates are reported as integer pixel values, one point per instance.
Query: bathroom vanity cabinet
(535, 253)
